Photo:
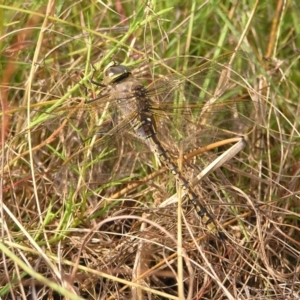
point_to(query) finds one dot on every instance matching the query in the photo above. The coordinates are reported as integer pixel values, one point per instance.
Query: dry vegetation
(82, 219)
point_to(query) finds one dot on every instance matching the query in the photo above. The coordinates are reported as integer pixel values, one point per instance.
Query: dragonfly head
(115, 72)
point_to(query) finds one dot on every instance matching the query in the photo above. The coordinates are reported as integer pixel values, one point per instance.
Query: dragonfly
(177, 96)
(198, 105)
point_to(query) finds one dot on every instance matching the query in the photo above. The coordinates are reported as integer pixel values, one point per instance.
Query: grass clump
(86, 208)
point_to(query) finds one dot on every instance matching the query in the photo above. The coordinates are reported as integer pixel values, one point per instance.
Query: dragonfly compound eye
(115, 73)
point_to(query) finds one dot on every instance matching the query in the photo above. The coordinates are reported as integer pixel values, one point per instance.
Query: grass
(82, 219)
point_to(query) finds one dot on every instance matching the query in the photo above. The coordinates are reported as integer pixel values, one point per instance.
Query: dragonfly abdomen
(166, 159)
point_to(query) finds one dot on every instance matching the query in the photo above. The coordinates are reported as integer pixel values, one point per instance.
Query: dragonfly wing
(215, 95)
